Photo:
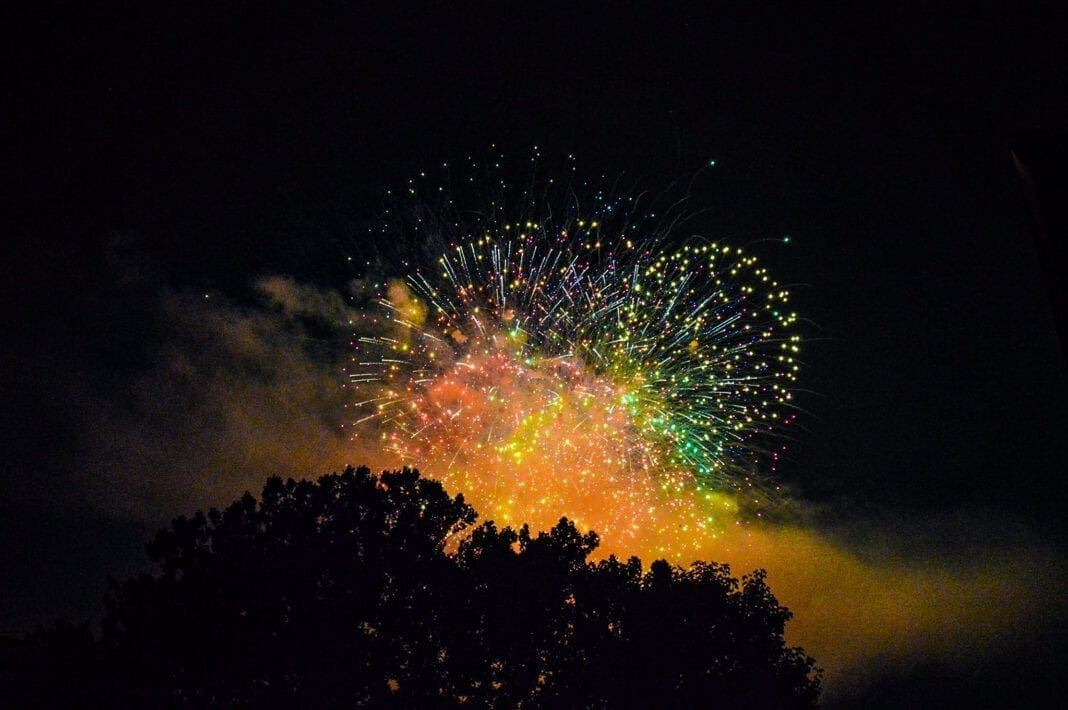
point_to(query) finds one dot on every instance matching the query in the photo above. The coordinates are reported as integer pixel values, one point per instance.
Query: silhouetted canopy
(379, 591)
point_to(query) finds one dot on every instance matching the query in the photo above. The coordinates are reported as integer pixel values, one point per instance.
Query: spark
(565, 364)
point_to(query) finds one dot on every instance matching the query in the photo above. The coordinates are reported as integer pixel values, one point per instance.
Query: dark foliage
(375, 590)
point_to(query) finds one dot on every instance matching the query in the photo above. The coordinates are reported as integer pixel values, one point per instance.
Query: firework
(589, 367)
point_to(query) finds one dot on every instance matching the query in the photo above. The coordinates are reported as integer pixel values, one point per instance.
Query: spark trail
(586, 367)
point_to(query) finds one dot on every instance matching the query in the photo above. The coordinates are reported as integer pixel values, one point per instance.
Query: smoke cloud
(235, 393)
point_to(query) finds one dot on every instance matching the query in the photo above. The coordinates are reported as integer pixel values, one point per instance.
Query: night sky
(166, 162)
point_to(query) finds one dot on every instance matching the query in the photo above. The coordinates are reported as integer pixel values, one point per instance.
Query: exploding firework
(584, 366)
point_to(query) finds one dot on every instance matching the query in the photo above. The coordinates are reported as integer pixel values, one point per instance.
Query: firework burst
(584, 367)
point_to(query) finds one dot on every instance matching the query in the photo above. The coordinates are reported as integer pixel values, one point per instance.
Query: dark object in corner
(1041, 161)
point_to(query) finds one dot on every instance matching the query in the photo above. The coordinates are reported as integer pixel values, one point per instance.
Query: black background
(224, 143)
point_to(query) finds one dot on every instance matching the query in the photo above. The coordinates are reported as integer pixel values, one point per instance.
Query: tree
(379, 590)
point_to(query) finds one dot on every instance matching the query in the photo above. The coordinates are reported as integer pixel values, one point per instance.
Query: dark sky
(166, 152)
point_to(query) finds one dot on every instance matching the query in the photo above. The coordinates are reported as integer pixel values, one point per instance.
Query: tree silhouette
(379, 590)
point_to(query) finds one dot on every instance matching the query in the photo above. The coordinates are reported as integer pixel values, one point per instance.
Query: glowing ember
(573, 368)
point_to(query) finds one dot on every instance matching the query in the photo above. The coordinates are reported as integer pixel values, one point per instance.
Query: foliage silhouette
(379, 590)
